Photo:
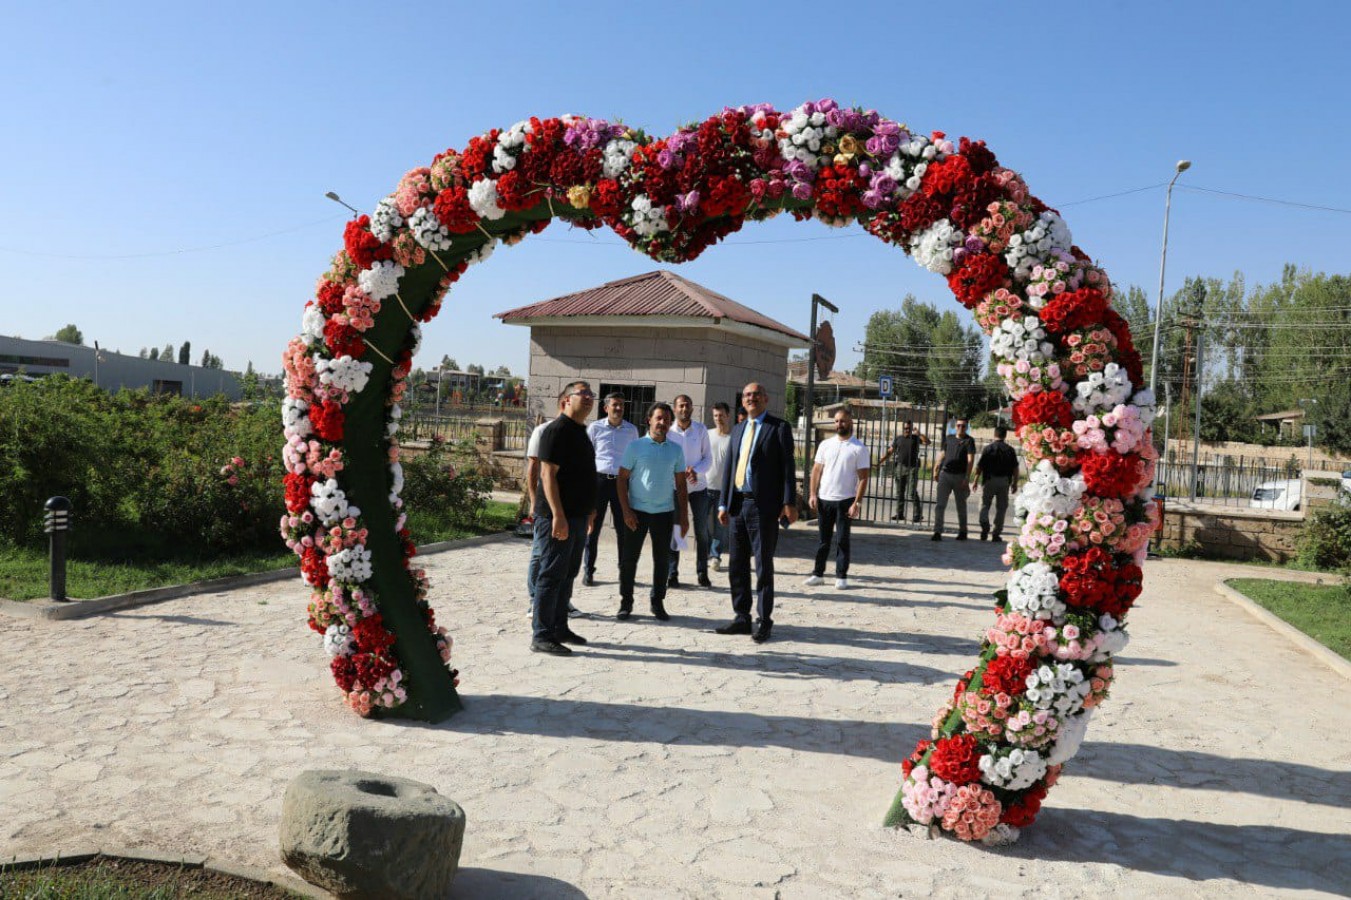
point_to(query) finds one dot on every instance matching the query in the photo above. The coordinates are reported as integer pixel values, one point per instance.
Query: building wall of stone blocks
(1232, 532)
(707, 363)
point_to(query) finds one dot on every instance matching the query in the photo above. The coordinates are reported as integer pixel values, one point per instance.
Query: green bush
(143, 473)
(455, 488)
(1325, 542)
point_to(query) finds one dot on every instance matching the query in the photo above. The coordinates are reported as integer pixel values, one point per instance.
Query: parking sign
(884, 386)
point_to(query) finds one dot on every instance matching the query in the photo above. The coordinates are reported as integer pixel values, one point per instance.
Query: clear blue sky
(132, 131)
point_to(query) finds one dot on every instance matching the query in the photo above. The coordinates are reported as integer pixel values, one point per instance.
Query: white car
(1284, 494)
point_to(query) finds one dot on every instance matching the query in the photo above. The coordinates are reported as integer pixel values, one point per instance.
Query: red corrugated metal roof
(659, 293)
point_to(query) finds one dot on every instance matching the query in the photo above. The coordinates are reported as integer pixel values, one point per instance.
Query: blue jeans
(532, 569)
(559, 563)
(699, 524)
(717, 531)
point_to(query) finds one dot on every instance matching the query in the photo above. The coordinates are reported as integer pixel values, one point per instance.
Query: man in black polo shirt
(905, 447)
(997, 472)
(953, 475)
(564, 509)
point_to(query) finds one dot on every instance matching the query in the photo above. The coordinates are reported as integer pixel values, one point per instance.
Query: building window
(637, 398)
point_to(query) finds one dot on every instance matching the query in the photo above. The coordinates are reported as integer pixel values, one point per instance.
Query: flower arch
(1046, 663)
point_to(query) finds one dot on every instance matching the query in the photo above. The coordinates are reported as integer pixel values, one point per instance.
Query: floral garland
(1066, 357)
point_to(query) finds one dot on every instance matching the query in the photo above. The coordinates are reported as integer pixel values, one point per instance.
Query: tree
(449, 364)
(1332, 415)
(70, 335)
(501, 372)
(167, 354)
(145, 353)
(185, 354)
(1227, 413)
(953, 365)
(475, 368)
(250, 388)
(897, 342)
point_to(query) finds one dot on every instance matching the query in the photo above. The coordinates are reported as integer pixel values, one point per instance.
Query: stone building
(113, 371)
(651, 337)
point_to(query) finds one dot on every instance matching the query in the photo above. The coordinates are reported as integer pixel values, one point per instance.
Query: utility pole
(809, 440)
(1196, 432)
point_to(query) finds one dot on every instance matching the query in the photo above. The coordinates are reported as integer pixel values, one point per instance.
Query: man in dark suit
(759, 485)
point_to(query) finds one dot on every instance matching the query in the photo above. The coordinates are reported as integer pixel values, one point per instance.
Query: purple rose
(802, 191)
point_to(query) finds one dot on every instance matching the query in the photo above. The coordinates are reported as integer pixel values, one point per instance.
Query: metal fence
(1233, 480)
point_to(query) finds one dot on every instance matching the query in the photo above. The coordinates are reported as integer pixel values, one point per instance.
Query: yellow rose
(848, 145)
(842, 159)
(579, 196)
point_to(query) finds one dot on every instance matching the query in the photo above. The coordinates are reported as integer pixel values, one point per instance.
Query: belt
(604, 475)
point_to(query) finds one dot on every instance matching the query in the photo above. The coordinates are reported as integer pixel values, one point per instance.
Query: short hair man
(997, 472)
(905, 447)
(953, 474)
(839, 478)
(563, 511)
(759, 486)
(719, 442)
(531, 493)
(652, 488)
(693, 437)
(609, 436)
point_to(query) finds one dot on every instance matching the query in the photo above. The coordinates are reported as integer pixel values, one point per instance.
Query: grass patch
(1321, 611)
(98, 571)
(103, 878)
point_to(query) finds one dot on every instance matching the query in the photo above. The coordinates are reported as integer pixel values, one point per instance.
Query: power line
(1238, 196)
(200, 249)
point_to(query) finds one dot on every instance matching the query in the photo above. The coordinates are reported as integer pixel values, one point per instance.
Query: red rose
(977, 275)
(913, 760)
(981, 159)
(1021, 813)
(371, 667)
(343, 339)
(297, 492)
(371, 635)
(344, 672)
(327, 419)
(361, 245)
(607, 199)
(453, 210)
(947, 176)
(1090, 580)
(515, 193)
(1006, 675)
(330, 297)
(313, 567)
(1112, 474)
(1083, 308)
(919, 211)
(1044, 408)
(956, 759)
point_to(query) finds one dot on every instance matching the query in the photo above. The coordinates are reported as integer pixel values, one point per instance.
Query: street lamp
(332, 195)
(1182, 166)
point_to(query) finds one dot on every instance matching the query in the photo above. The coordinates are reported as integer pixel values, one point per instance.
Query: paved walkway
(666, 761)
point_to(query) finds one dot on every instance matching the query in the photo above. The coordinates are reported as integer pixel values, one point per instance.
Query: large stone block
(362, 835)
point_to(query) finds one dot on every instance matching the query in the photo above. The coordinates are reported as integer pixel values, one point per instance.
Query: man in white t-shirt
(719, 442)
(692, 436)
(839, 478)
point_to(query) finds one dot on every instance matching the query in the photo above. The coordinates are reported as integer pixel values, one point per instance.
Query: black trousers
(832, 518)
(754, 535)
(607, 498)
(660, 526)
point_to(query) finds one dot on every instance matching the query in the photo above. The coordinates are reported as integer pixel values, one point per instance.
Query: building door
(637, 398)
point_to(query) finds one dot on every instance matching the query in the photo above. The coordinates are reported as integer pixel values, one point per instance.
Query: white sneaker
(841, 584)
(715, 562)
(814, 581)
(574, 612)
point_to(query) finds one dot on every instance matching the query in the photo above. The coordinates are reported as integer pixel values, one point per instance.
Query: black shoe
(962, 536)
(625, 610)
(917, 519)
(659, 611)
(984, 535)
(995, 537)
(936, 537)
(761, 633)
(551, 647)
(704, 582)
(673, 581)
(736, 626)
(571, 637)
(589, 579)
(898, 517)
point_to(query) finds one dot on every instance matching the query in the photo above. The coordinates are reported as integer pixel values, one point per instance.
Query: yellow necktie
(744, 458)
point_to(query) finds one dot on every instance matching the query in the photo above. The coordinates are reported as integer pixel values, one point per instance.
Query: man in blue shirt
(652, 490)
(609, 436)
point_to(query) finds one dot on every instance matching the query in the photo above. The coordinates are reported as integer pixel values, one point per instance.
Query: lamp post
(332, 195)
(1182, 166)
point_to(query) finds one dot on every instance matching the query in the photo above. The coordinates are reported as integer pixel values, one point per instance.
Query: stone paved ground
(666, 761)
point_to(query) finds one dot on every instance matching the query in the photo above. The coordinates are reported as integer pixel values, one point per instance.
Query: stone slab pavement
(667, 761)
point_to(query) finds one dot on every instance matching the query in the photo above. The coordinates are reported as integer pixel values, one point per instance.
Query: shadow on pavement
(676, 725)
(489, 884)
(1146, 764)
(1198, 851)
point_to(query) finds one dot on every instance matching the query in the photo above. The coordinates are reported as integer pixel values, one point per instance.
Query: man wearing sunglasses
(564, 510)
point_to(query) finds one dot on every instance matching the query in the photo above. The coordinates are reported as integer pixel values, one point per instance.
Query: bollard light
(57, 523)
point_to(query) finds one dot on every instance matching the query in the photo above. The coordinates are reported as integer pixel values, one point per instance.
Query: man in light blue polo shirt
(652, 491)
